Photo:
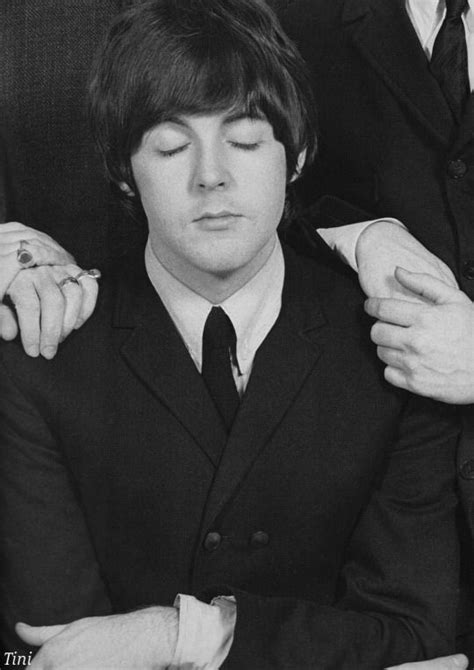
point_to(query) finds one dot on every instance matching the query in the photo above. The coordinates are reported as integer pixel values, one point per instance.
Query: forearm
(49, 568)
(400, 578)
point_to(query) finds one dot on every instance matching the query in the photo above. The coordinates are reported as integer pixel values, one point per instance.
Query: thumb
(429, 287)
(37, 635)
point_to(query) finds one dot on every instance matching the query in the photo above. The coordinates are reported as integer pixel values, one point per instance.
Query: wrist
(371, 235)
(159, 628)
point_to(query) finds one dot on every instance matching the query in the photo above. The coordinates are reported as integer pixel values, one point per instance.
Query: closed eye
(246, 146)
(172, 152)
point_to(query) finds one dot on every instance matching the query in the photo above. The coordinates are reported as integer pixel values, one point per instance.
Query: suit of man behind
(390, 144)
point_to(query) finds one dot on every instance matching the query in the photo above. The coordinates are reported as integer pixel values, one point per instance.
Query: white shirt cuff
(205, 632)
(343, 239)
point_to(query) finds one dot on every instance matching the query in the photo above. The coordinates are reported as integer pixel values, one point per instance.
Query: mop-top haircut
(163, 58)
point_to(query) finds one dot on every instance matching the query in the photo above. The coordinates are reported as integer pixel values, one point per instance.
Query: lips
(223, 214)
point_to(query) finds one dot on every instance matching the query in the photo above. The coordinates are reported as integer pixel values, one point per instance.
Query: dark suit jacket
(389, 144)
(112, 481)
(388, 140)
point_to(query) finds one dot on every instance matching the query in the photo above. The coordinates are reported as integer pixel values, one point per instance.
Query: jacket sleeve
(399, 580)
(49, 571)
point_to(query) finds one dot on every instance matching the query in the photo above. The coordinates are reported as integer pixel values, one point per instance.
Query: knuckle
(411, 367)
(376, 332)
(373, 305)
(417, 342)
(27, 302)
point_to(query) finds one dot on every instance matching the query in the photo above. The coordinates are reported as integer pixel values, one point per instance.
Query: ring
(67, 280)
(94, 273)
(24, 257)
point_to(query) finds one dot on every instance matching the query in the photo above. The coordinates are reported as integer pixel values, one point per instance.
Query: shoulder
(317, 275)
(87, 349)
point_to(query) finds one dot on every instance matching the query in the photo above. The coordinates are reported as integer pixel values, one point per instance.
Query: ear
(126, 189)
(299, 165)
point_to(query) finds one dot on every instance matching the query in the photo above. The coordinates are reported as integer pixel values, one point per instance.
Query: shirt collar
(427, 15)
(253, 309)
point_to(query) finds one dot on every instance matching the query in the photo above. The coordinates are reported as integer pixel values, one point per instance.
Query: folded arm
(398, 585)
(399, 580)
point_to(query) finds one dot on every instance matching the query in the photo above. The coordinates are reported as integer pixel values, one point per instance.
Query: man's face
(213, 189)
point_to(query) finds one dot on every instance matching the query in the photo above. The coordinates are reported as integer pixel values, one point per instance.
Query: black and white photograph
(237, 334)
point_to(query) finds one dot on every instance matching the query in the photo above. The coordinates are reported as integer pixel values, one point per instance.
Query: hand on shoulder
(383, 246)
(44, 295)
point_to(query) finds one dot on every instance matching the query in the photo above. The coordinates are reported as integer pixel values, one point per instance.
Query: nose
(211, 169)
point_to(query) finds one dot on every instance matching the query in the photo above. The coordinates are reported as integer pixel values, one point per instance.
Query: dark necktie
(218, 347)
(449, 58)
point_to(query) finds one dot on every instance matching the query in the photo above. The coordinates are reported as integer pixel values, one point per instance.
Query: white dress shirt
(253, 309)
(426, 17)
(205, 632)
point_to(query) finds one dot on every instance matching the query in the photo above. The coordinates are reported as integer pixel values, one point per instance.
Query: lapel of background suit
(157, 355)
(282, 364)
(382, 32)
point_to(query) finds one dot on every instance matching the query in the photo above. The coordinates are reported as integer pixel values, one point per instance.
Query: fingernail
(49, 352)
(78, 323)
(32, 350)
(460, 661)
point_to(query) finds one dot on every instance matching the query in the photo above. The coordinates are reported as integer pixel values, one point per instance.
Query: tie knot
(219, 331)
(455, 8)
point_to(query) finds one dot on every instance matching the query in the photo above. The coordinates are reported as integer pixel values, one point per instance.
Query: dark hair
(166, 57)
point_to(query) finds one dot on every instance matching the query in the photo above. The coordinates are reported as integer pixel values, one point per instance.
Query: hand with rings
(46, 294)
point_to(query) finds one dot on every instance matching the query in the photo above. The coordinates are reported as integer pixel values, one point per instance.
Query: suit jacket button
(212, 541)
(457, 169)
(468, 269)
(259, 539)
(467, 470)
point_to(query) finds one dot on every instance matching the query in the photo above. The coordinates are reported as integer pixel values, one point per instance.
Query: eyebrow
(232, 117)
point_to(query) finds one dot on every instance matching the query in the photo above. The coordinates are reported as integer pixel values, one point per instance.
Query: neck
(217, 286)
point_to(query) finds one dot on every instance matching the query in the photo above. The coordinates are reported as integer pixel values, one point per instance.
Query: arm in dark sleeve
(399, 580)
(49, 571)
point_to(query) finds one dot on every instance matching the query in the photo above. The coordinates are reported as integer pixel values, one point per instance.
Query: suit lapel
(466, 129)
(382, 32)
(281, 366)
(157, 355)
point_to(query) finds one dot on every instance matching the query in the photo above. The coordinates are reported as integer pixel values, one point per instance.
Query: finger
(53, 303)
(429, 287)
(73, 298)
(390, 310)
(456, 662)
(25, 298)
(7, 248)
(29, 255)
(72, 289)
(386, 335)
(392, 357)
(9, 268)
(447, 275)
(48, 254)
(89, 298)
(37, 635)
(15, 232)
(396, 377)
(8, 324)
